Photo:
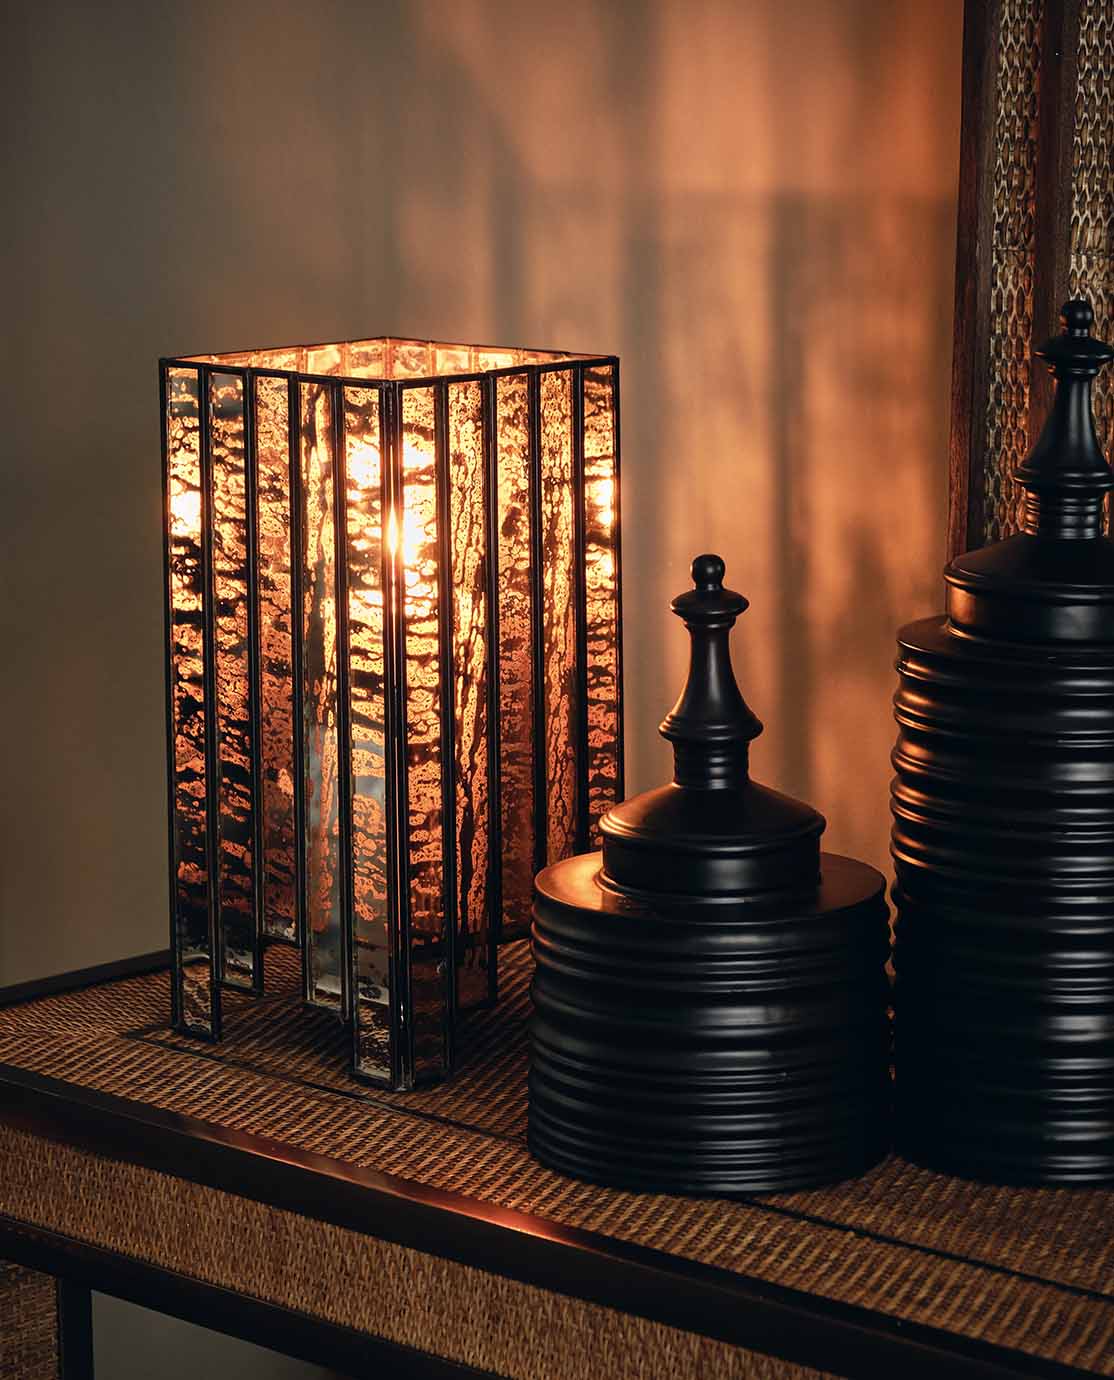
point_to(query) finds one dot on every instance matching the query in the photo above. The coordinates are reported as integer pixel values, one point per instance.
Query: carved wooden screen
(1036, 226)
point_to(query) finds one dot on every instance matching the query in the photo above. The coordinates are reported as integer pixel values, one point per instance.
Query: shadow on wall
(751, 203)
(770, 196)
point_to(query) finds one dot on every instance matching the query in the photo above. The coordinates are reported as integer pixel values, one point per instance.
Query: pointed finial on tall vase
(1065, 476)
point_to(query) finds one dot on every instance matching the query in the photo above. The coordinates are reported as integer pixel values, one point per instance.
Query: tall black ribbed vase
(1003, 834)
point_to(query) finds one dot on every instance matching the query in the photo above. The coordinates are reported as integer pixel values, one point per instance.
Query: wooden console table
(252, 1187)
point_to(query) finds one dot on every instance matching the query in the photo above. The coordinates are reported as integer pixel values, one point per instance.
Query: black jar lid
(1054, 580)
(711, 832)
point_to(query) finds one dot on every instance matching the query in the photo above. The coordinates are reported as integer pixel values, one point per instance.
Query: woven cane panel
(1011, 269)
(1092, 212)
(1028, 1269)
(28, 1325)
(326, 1272)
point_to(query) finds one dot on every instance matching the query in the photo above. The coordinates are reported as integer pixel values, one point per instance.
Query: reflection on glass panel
(485, 357)
(367, 717)
(367, 359)
(468, 554)
(410, 359)
(417, 542)
(195, 995)
(558, 613)
(276, 655)
(324, 921)
(516, 662)
(602, 594)
(236, 814)
(452, 359)
(324, 359)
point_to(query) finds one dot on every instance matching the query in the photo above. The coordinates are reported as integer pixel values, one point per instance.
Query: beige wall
(752, 203)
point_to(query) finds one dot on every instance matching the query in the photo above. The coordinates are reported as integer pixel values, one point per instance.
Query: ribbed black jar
(1003, 833)
(710, 1000)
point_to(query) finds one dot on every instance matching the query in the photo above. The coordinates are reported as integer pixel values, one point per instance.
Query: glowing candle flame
(185, 512)
(412, 542)
(603, 493)
(362, 463)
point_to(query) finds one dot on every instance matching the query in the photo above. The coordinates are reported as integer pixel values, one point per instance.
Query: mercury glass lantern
(393, 669)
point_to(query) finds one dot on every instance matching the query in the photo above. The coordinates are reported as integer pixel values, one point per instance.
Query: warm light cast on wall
(393, 666)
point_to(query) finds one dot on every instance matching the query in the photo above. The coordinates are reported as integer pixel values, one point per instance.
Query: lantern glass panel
(238, 947)
(191, 863)
(516, 574)
(325, 975)
(276, 649)
(367, 717)
(559, 612)
(419, 552)
(468, 545)
(601, 595)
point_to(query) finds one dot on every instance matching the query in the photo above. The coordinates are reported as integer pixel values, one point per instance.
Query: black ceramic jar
(710, 1000)
(1003, 833)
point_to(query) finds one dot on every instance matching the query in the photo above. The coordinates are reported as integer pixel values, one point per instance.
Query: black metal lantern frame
(394, 669)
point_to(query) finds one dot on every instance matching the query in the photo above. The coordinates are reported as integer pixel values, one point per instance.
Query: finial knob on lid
(1065, 475)
(1075, 347)
(711, 724)
(1078, 316)
(708, 572)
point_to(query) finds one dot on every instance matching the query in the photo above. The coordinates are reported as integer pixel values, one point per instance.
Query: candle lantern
(394, 669)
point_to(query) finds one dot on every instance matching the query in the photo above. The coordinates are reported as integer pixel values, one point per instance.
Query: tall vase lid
(1054, 580)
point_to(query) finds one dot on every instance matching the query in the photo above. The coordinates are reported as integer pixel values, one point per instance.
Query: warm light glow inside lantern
(393, 666)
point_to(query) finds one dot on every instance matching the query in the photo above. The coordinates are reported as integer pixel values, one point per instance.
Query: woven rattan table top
(1027, 1270)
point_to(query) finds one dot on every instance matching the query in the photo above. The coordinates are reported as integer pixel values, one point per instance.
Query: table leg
(75, 1331)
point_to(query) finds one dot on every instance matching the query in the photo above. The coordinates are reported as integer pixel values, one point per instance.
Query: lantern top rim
(379, 360)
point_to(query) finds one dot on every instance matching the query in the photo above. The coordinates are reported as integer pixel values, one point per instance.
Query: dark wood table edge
(16, 993)
(783, 1322)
